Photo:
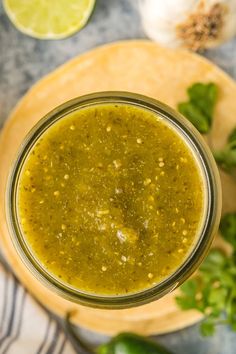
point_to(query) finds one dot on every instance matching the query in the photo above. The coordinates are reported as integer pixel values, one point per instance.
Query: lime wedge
(49, 19)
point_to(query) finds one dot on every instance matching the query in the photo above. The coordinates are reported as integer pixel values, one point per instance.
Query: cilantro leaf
(204, 97)
(207, 328)
(213, 290)
(200, 106)
(232, 136)
(228, 228)
(188, 299)
(226, 157)
(215, 260)
(195, 116)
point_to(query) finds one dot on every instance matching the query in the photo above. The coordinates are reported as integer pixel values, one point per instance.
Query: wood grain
(136, 66)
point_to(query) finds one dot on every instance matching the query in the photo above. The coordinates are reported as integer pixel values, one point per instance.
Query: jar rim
(201, 246)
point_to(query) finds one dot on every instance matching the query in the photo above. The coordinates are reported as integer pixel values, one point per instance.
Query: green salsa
(111, 199)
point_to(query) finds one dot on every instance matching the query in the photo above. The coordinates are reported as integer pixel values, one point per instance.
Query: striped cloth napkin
(25, 326)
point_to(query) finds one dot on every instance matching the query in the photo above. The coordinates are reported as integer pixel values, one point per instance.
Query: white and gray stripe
(25, 326)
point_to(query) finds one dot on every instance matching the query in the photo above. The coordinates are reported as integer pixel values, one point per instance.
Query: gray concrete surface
(23, 60)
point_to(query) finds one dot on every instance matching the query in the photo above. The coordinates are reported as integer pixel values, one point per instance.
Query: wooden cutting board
(136, 66)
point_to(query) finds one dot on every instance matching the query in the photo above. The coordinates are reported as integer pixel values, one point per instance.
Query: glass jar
(209, 223)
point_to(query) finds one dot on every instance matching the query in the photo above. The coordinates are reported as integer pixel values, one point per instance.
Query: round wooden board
(137, 66)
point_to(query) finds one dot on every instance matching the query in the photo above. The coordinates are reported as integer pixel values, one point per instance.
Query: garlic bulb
(193, 24)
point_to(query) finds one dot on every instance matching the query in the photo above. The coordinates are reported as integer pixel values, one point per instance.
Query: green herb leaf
(204, 96)
(215, 260)
(217, 298)
(226, 158)
(195, 116)
(228, 228)
(213, 290)
(232, 136)
(188, 299)
(207, 328)
(200, 106)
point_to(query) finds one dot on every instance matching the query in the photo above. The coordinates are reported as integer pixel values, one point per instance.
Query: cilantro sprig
(226, 157)
(213, 290)
(199, 111)
(200, 106)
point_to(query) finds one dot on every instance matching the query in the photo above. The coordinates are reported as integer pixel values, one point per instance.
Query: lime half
(49, 19)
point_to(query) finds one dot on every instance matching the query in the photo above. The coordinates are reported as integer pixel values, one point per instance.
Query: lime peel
(54, 19)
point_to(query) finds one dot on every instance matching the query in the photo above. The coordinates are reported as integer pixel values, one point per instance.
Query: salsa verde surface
(110, 199)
